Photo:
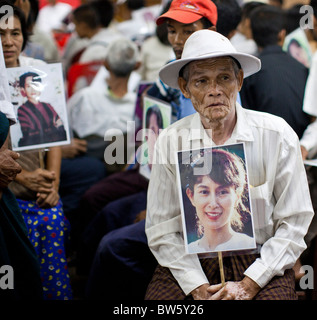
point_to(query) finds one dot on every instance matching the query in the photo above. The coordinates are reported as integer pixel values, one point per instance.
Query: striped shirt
(281, 204)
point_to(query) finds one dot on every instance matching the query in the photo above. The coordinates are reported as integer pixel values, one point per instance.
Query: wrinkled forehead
(219, 63)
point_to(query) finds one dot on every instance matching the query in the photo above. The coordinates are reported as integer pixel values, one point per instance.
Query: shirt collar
(241, 132)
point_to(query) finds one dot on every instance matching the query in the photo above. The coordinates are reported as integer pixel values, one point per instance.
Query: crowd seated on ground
(101, 207)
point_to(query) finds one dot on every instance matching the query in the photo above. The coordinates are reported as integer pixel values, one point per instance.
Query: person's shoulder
(29, 61)
(266, 121)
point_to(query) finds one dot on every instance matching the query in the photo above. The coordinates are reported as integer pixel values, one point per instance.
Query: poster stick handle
(222, 274)
(42, 166)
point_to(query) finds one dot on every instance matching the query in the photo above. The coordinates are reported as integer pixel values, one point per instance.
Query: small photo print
(156, 117)
(214, 199)
(38, 97)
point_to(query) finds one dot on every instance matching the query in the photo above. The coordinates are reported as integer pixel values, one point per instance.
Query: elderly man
(211, 74)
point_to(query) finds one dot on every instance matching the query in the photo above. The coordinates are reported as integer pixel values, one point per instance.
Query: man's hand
(304, 152)
(241, 290)
(9, 168)
(201, 292)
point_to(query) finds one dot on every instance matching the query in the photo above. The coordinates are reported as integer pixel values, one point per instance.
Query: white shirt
(51, 17)
(310, 97)
(97, 47)
(281, 205)
(154, 55)
(93, 111)
(28, 61)
(243, 44)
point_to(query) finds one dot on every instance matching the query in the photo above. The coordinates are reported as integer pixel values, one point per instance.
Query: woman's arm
(53, 165)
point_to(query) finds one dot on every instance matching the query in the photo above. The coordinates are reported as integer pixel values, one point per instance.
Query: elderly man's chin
(215, 114)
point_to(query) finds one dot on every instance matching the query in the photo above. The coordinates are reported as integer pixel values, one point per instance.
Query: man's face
(179, 32)
(81, 29)
(212, 86)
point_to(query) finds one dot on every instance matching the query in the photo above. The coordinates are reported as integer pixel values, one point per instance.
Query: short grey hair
(122, 56)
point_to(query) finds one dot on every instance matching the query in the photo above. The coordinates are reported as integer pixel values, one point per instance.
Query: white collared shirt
(281, 205)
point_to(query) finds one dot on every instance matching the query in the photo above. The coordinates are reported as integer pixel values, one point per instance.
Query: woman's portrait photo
(156, 116)
(38, 96)
(216, 204)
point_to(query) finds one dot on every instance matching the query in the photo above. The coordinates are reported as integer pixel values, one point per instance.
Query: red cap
(189, 11)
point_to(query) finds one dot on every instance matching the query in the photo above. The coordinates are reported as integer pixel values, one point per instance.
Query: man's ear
(240, 79)
(281, 37)
(137, 65)
(106, 65)
(182, 83)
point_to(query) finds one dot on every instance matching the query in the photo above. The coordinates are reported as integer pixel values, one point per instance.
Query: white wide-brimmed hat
(206, 44)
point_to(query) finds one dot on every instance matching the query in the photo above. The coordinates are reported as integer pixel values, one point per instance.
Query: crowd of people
(76, 225)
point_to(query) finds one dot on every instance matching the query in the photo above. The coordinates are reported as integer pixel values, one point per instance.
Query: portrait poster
(138, 113)
(156, 117)
(38, 97)
(215, 200)
(297, 45)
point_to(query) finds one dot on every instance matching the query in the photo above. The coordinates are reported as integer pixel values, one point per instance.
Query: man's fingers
(214, 288)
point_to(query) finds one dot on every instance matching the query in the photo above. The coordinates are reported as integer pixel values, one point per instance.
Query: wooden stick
(222, 274)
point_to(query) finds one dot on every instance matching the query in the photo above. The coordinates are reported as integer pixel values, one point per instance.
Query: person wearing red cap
(190, 11)
(183, 18)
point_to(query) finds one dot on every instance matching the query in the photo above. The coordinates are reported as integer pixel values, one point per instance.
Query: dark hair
(229, 16)
(35, 78)
(135, 4)
(206, 23)
(293, 17)
(105, 11)
(313, 4)
(87, 13)
(154, 110)
(248, 7)
(17, 12)
(266, 23)
(161, 30)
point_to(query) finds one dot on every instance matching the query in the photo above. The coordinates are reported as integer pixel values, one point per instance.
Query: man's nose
(214, 89)
(179, 38)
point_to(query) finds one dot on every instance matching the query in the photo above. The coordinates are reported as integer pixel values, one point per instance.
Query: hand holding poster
(39, 97)
(215, 202)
